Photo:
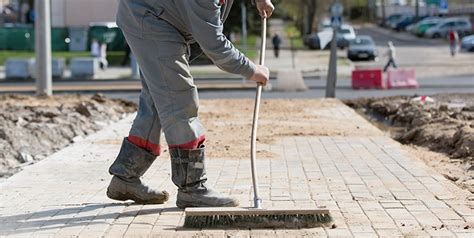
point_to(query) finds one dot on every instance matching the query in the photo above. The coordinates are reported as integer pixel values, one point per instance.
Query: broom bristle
(289, 221)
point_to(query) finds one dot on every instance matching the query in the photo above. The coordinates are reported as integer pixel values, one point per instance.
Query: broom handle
(253, 146)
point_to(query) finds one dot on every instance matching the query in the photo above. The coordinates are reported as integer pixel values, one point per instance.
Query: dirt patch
(32, 128)
(442, 123)
(229, 123)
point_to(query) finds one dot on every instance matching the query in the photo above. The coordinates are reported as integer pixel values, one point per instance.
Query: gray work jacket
(196, 20)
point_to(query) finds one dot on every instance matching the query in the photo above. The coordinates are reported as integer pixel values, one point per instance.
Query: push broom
(256, 217)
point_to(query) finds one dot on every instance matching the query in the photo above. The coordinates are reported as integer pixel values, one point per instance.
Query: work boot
(131, 163)
(189, 175)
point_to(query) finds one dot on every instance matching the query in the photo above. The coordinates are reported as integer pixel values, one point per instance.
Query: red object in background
(401, 78)
(367, 79)
(452, 36)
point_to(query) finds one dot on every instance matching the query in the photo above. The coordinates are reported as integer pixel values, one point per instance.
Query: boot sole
(125, 197)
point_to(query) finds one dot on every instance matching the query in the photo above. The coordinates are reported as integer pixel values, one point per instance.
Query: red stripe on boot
(191, 145)
(145, 144)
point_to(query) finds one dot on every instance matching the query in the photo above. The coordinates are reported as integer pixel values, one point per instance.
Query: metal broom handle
(253, 146)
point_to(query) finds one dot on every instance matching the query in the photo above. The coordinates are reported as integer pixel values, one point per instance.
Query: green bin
(108, 33)
(3, 38)
(20, 38)
(60, 39)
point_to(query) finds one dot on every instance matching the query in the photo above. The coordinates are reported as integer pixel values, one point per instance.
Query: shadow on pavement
(70, 217)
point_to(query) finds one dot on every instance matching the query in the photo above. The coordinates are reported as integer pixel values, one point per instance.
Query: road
(437, 72)
(430, 58)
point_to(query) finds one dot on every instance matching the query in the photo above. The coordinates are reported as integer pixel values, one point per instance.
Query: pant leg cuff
(145, 144)
(194, 144)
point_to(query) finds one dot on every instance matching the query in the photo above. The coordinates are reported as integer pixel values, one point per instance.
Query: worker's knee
(181, 106)
(176, 74)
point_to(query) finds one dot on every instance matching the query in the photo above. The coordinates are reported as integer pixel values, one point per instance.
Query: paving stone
(389, 233)
(440, 233)
(364, 234)
(370, 186)
(338, 232)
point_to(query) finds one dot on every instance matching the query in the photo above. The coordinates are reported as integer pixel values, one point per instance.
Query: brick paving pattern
(371, 186)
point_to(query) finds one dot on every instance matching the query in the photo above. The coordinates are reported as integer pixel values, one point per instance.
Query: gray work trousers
(169, 99)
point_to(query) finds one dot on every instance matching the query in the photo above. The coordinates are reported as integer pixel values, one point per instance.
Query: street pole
(244, 24)
(332, 72)
(383, 12)
(417, 9)
(43, 48)
(336, 20)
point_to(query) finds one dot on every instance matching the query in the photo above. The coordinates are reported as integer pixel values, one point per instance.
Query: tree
(233, 22)
(306, 13)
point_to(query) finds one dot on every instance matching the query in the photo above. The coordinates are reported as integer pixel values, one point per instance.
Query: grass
(114, 57)
(295, 35)
(251, 41)
(250, 51)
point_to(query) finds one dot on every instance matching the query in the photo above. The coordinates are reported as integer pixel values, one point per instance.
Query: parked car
(321, 40)
(425, 24)
(461, 25)
(312, 41)
(411, 28)
(467, 43)
(391, 18)
(362, 48)
(324, 24)
(344, 35)
(404, 19)
(408, 23)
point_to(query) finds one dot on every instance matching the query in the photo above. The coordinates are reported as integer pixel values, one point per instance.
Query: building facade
(76, 13)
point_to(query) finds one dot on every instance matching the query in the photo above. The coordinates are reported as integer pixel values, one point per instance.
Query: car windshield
(360, 41)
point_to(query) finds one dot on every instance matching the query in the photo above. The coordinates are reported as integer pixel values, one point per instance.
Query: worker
(159, 34)
(391, 54)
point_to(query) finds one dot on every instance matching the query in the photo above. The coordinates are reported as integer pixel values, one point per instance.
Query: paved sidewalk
(369, 183)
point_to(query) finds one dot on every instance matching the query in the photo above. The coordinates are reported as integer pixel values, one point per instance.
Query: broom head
(236, 217)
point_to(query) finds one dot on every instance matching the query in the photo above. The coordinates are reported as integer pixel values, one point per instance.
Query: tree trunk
(311, 9)
(383, 12)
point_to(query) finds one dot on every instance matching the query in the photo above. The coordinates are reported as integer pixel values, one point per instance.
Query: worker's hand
(261, 75)
(265, 8)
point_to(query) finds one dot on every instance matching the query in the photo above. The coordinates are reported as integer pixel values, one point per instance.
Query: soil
(229, 124)
(441, 123)
(31, 128)
(58, 121)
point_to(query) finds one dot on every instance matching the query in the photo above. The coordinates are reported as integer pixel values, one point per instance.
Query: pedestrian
(276, 41)
(95, 48)
(159, 34)
(104, 64)
(453, 38)
(391, 54)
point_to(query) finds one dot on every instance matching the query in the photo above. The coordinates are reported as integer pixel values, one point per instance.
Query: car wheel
(436, 35)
